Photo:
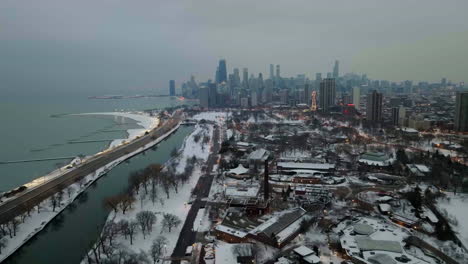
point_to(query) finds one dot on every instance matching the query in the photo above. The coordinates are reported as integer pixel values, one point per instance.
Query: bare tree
(146, 220)
(113, 202)
(132, 227)
(170, 221)
(126, 201)
(153, 192)
(157, 248)
(122, 227)
(69, 191)
(166, 183)
(53, 202)
(3, 242)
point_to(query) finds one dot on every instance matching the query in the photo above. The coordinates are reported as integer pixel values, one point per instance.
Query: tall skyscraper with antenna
(336, 70)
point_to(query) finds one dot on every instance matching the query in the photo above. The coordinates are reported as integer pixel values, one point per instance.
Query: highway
(31, 197)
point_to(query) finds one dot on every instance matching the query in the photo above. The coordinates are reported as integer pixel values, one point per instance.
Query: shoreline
(145, 121)
(7, 252)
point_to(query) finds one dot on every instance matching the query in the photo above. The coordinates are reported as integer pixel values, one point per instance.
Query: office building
(172, 87)
(461, 112)
(374, 107)
(278, 76)
(327, 94)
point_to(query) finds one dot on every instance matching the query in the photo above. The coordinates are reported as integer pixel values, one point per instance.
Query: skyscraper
(236, 77)
(245, 78)
(461, 112)
(213, 95)
(374, 107)
(222, 71)
(278, 76)
(172, 88)
(327, 94)
(336, 69)
(272, 73)
(318, 79)
(357, 97)
(307, 94)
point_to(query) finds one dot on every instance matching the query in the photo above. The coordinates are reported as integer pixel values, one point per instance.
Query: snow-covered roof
(242, 191)
(239, 170)
(283, 260)
(243, 144)
(279, 222)
(290, 230)
(385, 207)
(368, 244)
(227, 253)
(422, 168)
(259, 154)
(385, 198)
(313, 259)
(303, 251)
(306, 166)
(231, 231)
(363, 229)
(382, 259)
(409, 130)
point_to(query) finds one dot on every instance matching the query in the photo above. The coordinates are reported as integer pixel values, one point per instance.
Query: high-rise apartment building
(461, 112)
(327, 94)
(374, 107)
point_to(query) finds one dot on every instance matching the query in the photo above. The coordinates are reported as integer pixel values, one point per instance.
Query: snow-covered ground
(143, 119)
(212, 116)
(176, 205)
(457, 209)
(37, 221)
(202, 223)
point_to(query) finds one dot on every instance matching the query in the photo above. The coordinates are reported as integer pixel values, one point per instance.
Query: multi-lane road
(32, 196)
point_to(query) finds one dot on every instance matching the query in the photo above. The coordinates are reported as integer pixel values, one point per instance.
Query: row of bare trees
(107, 250)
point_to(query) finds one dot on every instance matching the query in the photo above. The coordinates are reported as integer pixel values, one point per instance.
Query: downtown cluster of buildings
(420, 106)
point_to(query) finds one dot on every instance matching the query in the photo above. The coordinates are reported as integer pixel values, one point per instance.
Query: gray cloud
(117, 44)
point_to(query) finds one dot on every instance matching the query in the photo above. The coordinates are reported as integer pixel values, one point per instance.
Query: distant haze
(99, 47)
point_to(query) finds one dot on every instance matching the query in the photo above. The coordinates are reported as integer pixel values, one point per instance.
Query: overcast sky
(114, 45)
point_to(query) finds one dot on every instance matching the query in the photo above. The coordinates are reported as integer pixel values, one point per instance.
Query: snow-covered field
(177, 204)
(37, 221)
(144, 120)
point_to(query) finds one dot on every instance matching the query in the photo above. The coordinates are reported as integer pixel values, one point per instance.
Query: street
(187, 235)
